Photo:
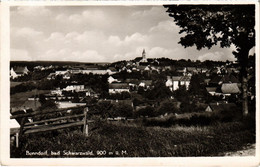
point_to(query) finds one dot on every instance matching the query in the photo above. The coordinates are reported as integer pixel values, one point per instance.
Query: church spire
(143, 54)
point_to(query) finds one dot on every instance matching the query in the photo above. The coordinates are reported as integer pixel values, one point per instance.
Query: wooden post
(17, 140)
(85, 127)
(19, 135)
(22, 125)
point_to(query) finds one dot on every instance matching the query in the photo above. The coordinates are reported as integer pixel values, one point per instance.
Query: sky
(99, 34)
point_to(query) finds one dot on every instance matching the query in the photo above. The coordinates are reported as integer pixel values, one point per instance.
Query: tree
(208, 25)
(167, 107)
(122, 110)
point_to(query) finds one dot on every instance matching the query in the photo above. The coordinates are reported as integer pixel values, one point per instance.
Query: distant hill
(31, 64)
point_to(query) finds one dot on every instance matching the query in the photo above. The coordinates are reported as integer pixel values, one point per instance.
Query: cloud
(108, 33)
(20, 55)
(216, 56)
(166, 26)
(27, 32)
(71, 55)
(33, 11)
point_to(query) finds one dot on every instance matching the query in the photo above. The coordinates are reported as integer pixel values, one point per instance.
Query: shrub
(167, 107)
(146, 111)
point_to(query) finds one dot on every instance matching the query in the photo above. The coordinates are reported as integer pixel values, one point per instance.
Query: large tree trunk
(244, 64)
(244, 96)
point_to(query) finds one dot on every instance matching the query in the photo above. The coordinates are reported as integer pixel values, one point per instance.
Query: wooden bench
(50, 124)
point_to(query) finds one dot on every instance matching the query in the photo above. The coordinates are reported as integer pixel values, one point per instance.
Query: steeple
(143, 55)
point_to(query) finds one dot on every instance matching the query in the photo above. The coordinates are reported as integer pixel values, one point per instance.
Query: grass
(142, 141)
(13, 84)
(18, 99)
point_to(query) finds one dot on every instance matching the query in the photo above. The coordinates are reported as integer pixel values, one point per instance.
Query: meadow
(137, 139)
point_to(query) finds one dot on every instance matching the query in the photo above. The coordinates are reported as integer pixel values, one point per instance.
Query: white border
(183, 161)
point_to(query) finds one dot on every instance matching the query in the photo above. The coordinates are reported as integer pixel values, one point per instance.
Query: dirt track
(248, 150)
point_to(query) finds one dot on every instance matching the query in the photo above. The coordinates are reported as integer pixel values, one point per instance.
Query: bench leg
(17, 140)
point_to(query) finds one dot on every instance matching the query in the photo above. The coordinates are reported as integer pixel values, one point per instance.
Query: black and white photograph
(132, 81)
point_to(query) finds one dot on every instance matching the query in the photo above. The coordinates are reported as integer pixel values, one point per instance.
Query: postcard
(108, 83)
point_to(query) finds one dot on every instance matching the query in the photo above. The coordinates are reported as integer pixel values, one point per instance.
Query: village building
(75, 70)
(67, 75)
(118, 88)
(145, 84)
(18, 71)
(143, 60)
(211, 90)
(220, 107)
(111, 70)
(68, 104)
(94, 69)
(61, 72)
(111, 79)
(174, 82)
(230, 88)
(90, 92)
(58, 92)
(51, 76)
(185, 81)
(74, 88)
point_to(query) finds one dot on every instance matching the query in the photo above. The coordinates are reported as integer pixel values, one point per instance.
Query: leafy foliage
(209, 25)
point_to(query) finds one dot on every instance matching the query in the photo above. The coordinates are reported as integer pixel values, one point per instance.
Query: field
(18, 99)
(13, 84)
(136, 140)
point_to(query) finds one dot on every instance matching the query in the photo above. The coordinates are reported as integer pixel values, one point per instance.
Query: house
(229, 78)
(145, 83)
(230, 88)
(220, 107)
(90, 92)
(173, 82)
(181, 70)
(58, 92)
(75, 70)
(76, 88)
(18, 71)
(192, 70)
(94, 70)
(67, 75)
(132, 82)
(61, 72)
(51, 76)
(141, 68)
(118, 88)
(185, 81)
(211, 90)
(68, 104)
(111, 70)
(111, 79)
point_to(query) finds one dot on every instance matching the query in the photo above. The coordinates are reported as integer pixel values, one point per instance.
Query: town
(158, 92)
(145, 86)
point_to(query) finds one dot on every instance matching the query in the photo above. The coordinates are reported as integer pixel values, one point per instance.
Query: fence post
(85, 127)
(17, 140)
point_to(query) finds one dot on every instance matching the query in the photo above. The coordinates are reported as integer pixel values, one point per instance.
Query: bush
(167, 107)
(197, 120)
(122, 110)
(146, 111)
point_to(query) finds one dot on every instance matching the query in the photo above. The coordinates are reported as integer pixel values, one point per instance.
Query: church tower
(143, 55)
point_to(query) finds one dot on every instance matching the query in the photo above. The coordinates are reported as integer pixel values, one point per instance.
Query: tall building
(143, 57)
